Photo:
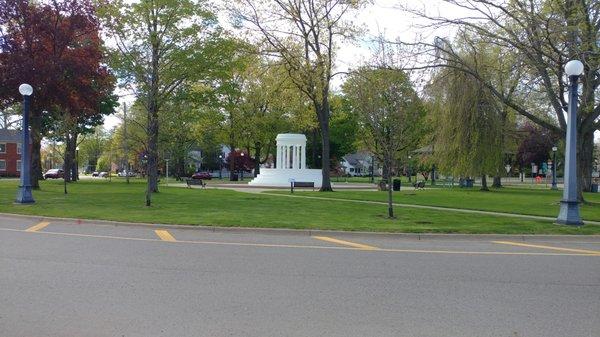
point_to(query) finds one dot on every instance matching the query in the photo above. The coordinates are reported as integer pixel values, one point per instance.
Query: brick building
(10, 153)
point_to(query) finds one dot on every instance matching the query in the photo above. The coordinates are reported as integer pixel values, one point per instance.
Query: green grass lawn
(518, 200)
(100, 199)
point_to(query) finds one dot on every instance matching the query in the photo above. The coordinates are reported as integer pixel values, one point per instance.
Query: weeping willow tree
(468, 126)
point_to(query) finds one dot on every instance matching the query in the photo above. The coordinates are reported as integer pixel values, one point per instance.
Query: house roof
(10, 136)
(359, 159)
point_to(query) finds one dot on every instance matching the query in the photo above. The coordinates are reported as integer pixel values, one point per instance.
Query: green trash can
(397, 183)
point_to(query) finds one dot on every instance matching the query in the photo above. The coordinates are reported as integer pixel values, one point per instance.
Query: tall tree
(303, 35)
(54, 46)
(269, 105)
(160, 46)
(545, 35)
(344, 129)
(468, 127)
(390, 115)
(91, 147)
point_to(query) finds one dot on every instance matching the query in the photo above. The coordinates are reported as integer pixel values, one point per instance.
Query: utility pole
(126, 143)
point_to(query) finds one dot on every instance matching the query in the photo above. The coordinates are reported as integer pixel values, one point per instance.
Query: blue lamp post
(569, 205)
(24, 195)
(554, 167)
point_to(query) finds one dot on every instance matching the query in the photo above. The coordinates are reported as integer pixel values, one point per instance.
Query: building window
(2, 165)
(19, 148)
(18, 166)
(2, 147)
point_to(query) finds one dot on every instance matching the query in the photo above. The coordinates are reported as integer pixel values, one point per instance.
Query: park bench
(295, 184)
(197, 182)
(419, 185)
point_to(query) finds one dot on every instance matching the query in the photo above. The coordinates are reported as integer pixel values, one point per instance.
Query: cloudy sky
(382, 18)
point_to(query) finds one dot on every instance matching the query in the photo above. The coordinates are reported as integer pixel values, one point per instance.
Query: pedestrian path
(437, 208)
(265, 191)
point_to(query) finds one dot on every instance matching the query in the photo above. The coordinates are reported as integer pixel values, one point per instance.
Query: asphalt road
(67, 279)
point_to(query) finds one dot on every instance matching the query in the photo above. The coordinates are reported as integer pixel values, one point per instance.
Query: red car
(202, 175)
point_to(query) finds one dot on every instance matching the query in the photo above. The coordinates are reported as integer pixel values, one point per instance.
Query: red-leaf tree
(241, 160)
(536, 145)
(56, 48)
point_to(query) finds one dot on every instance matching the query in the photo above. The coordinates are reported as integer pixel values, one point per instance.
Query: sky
(381, 18)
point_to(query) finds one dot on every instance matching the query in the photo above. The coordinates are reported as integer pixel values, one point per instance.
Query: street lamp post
(409, 169)
(569, 205)
(167, 176)
(242, 170)
(554, 167)
(220, 167)
(24, 195)
(372, 169)
(76, 163)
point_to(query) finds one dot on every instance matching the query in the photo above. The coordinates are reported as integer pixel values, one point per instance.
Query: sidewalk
(437, 208)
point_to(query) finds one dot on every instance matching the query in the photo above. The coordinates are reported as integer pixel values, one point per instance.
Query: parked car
(103, 174)
(124, 173)
(95, 174)
(202, 175)
(53, 174)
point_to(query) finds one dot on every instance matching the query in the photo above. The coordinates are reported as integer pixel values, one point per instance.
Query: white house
(357, 164)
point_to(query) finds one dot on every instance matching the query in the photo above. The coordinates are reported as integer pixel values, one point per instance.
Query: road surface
(61, 278)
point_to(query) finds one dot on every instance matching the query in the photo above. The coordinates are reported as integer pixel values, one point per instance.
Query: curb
(310, 232)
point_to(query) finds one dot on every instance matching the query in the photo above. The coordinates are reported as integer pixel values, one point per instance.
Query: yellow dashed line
(266, 245)
(37, 227)
(346, 243)
(583, 251)
(164, 235)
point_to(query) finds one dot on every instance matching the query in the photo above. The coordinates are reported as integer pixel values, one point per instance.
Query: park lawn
(519, 200)
(118, 201)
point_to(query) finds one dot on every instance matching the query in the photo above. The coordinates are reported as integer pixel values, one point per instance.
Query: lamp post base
(24, 195)
(569, 213)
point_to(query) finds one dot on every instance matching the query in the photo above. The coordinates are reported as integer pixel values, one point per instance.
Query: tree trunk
(585, 162)
(153, 150)
(390, 188)
(497, 183)
(314, 149)
(68, 159)
(484, 186)
(323, 113)
(256, 159)
(36, 145)
(152, 168)
(231, 162)
(152, 160)
(385, 172)
(75, 159)
(180, 168)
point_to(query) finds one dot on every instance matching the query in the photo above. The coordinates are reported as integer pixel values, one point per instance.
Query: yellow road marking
(582, 251)
(266, 245)
(164, 235)
(346, 243)
(37, 227)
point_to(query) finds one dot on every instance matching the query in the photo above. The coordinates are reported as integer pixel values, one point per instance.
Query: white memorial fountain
(290, 164)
